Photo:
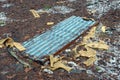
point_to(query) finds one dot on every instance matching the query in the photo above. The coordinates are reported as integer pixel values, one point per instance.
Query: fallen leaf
(98, 45)
(59, 64)
(10, 42)
(90, 61)
(56, 63)
(19, 46)
(35, 14)
(88, 53)
(90, 34)
(50, 23)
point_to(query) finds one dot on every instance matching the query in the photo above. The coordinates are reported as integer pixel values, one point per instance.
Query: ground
(22, 26)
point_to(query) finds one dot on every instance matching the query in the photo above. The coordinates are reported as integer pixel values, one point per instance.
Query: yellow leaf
(103, 28)
(56, 63)
(90, 61)
(98, 45)
(35, 14)
(88, 53)
(10, 42)
(50, 23)
(90, 34)
(19, 46)
(59, 64)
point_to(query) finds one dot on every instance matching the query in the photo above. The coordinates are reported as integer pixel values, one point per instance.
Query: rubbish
(90, 61)
(35, 14)
(56, 63)
(50, 23)
(13, 53)
(48, 71)
(55, 39)
(9, 42)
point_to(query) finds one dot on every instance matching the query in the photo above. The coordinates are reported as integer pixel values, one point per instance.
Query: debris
(89, 45)
(50, 23)
(57, 37)
(10, 50)
(56, 63)
(48, 71)
(35, 14)
(90, 61)
(9, 42)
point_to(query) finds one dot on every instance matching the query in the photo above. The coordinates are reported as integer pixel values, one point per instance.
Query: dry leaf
(10, 42)
(56, 63)
(59, 64)
(53, 60)
(50, 23)
(35, 14)
(90, 34)
(19, 46)
(88, 53)
(90, 61)
(98, 45)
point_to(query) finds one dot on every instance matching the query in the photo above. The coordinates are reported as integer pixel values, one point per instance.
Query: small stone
(89, 72)
(68, 50)
(48, 71)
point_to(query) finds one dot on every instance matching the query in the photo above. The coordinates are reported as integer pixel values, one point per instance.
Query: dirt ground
(24, 26)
